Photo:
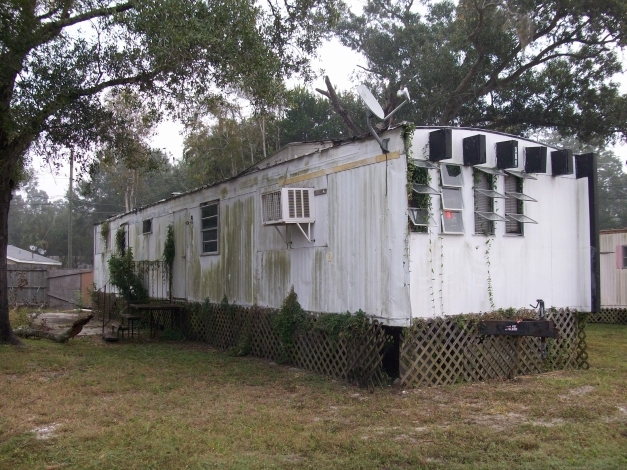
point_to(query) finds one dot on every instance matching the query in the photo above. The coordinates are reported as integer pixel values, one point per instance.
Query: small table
(174, 310)
(130, 321)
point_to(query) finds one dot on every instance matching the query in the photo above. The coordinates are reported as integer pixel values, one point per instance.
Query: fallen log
(62, 337)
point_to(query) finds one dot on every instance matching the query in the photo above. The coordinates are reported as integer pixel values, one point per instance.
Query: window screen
(624, 257)
(210, 221)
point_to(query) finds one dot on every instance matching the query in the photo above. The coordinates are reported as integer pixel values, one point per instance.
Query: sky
(334, 60)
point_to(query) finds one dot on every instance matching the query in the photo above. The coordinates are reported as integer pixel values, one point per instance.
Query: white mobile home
(449, 221)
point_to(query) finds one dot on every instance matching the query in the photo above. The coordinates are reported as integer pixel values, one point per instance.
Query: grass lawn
(162, 405)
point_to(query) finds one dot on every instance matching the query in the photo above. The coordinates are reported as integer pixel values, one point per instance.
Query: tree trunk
(68, 334)
(263, 136)
(7, 166)
(339, 109)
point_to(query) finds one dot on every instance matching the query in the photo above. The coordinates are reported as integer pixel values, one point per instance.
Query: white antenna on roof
(375, 109)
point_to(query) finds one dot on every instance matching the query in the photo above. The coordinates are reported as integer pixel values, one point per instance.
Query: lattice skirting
(617, 316)
(446, 351)
(354, 357)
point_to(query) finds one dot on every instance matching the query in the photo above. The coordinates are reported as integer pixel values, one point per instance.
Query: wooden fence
(432, 352)
(447, 351)
(27, 286)
(354, 356)
(617, 316)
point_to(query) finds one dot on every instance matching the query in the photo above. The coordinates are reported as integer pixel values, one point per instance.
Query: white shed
(449, 221)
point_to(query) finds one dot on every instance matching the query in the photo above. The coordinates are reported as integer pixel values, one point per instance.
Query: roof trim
(336, 143)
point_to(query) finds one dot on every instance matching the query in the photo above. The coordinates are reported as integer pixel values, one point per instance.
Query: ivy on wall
(124, 278)
(169, 253)
(120, 241)
(105, 230)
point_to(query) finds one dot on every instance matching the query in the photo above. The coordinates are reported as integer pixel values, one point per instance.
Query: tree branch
(62, 337)
(52, 29)
(339, 109)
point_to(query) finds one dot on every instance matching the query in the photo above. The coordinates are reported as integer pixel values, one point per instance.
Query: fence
(431, 352)
(69, 288)
(107, 304)
(617, 316)
(27, 286)
(446, 351)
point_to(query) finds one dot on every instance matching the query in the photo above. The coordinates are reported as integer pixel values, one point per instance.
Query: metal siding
(551, 261)
(363, 257)
(613, 277)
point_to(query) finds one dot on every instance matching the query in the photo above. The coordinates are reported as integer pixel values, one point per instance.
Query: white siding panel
(613, 277)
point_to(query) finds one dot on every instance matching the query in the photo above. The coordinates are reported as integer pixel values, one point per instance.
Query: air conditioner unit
(289, 206)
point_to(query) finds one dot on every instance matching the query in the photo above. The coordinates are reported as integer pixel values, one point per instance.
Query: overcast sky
(337, 61)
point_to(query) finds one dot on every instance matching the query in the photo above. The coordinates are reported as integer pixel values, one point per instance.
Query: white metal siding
(449, 273)
(613, 275)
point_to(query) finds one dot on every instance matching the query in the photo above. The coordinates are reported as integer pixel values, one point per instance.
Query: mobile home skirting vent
(288, 206)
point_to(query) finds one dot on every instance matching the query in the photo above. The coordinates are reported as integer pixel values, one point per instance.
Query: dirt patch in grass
(142, 404)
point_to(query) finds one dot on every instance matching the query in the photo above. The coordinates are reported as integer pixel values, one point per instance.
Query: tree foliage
(36, 220)
(231, 143)
(612, 180)
(57, 56)
(511, 65)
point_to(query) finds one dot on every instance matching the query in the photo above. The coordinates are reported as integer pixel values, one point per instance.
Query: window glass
(625, 257)
(452, 198)
(452, 222)
(147, 226)
(420, 217)
(451, 175)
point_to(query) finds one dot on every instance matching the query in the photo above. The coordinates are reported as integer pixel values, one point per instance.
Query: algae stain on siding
(231, 272)
(318, 287)
(273, 277)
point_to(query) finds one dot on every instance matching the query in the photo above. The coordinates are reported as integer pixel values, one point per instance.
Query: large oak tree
(58, 56)
(511, 65)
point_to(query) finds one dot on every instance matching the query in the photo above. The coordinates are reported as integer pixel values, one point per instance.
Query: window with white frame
(452, 202)
(210, 227)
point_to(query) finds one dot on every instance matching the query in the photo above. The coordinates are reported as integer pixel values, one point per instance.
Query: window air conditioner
(288, 206)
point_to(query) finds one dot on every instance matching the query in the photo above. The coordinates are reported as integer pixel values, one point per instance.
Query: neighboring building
(614, 267)
(343, 224)
(16, 257)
